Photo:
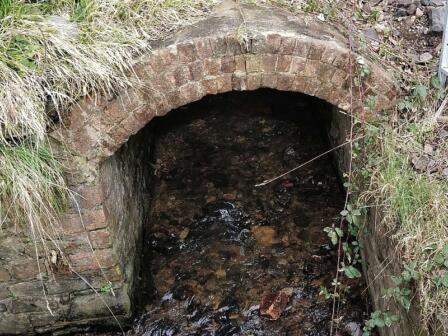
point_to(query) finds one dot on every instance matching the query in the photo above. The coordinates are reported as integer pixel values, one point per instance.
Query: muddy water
(216, 246)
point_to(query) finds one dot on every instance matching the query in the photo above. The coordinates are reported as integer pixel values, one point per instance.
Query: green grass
(32, 188)
(415, 210)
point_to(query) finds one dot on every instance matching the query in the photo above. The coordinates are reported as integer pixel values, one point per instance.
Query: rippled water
(216, 246)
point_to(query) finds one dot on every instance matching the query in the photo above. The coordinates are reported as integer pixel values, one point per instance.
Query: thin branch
(266, 182)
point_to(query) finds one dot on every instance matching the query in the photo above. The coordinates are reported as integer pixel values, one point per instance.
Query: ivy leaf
(339, 232)
(420, 91)
(445, 280)
(397, 280)
(351, 272)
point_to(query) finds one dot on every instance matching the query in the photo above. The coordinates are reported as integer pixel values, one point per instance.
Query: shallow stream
(223, 257)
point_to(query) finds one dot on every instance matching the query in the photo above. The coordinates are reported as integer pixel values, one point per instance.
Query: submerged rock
(273, 305)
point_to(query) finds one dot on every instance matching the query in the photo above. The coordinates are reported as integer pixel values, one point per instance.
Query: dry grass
(414, 206)
(48, 62)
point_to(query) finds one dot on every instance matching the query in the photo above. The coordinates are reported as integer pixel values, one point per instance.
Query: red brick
(297, 65)
(240, 63)
(316, 50)
(284, 63)
(191, 92)
(100, 238)
(186, 52)
(311, 68)
(239, 82)
(228, 64)
(168, 56)
(210, 86)
(197, 70)
(203, 48)
(224, 83)
(182, 75)
(273, 42)
(253, 81)
(288, 45)
(218, 45)
(253, 63)
(212, 66)
(269, 80)
(268, 63)
(302, 47)
(88, 196)
(285, 82)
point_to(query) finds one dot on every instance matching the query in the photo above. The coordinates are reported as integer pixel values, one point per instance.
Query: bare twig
(266, 182)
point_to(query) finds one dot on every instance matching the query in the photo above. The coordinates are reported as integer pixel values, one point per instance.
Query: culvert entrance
(222, 257)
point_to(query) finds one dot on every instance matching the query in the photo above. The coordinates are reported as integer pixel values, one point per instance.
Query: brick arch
(279, 51)
(286, 53)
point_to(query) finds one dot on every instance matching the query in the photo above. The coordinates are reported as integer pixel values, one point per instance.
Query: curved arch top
(244, 48)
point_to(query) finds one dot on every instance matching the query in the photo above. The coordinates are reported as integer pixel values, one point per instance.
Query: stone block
(218, 45)
(4, 275)
(14, 324)
(339, 78)
(88, 196)
(100, 239)
(88, 306)
(25, 270)
(85, 261)
(329, 55)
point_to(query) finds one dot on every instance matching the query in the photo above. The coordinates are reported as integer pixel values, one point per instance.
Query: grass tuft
(415, 209)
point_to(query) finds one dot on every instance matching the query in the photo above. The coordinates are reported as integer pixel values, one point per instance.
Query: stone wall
(269, 48)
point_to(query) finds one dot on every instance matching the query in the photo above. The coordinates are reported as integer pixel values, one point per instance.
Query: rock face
(298, 54)
(437, 18)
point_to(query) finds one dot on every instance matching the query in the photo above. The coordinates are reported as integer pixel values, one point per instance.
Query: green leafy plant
(311, 6)
(106, 288)
(379, 320)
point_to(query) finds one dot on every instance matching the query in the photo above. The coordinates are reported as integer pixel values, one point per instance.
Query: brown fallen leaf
(273, 305)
